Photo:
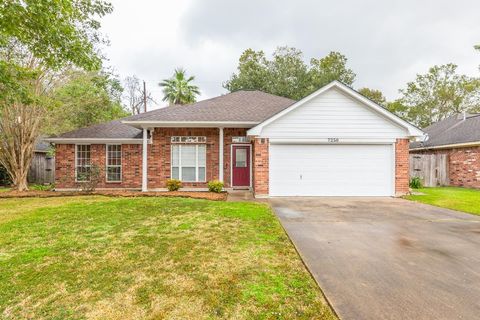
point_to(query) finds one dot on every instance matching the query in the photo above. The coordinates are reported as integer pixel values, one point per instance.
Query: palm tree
(178, 89)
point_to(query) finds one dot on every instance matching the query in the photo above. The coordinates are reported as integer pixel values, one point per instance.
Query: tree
(179, 89)
(287, 74)
(38, 41)
(253, 73)
(134, 95)
(374, 95)
(438, 94)
(58, 33)
(329, 68)
(87, 98)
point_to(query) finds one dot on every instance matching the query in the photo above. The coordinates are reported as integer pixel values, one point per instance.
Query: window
(188, 139)
(114, 162)
(189, 162)
(240, 158)
(82, 162)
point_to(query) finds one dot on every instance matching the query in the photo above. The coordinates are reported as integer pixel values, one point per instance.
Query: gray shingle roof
(248, 106)
(254, 106)
(110, 130)
(451, 130)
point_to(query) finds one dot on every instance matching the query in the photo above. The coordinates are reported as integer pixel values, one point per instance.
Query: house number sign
(332, 140)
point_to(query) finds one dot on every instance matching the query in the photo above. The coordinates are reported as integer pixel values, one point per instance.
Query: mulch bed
(51, 194)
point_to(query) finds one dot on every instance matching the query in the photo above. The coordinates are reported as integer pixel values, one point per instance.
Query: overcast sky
(386, 42)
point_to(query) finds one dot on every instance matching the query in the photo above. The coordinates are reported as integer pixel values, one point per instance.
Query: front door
(241, 166)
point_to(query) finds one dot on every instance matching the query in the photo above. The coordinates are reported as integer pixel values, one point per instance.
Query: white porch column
(220, 155)
(144, 161)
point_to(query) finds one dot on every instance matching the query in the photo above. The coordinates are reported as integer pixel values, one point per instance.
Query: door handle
(301, 177)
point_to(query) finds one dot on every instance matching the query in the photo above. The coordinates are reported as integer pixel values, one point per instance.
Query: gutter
(190, 124)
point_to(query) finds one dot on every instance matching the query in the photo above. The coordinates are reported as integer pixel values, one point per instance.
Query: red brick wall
(401, 166)
(131, 166)
(260, 166)
(463, 165)
(159, 159)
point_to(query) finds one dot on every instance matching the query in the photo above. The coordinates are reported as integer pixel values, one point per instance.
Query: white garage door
(331, 170)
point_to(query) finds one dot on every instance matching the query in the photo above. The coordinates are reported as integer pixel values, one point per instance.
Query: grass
(461, 199)
(95, 257)
(4, 189)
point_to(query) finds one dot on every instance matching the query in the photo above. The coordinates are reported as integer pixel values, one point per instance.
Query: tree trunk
(19, 130)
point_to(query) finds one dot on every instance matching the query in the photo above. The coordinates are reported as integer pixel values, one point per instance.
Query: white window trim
(113, 166)
(179, 145)
(232, 164)
(76, 160)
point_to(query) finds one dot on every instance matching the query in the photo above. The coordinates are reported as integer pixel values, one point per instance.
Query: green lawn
(467, 200)
(4, 189)
(149, 258)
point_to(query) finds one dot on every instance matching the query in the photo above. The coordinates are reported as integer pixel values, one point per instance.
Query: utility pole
(144, 96)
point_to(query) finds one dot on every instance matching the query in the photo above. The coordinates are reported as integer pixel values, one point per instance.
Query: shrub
(173, 184)
(215, 186)
(88, 181)
(415, 183)
(42, 187)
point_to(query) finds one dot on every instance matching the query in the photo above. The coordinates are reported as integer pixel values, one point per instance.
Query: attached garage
(331, 170)
(335, 142)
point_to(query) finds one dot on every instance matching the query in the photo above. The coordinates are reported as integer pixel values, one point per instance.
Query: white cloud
(386, 42)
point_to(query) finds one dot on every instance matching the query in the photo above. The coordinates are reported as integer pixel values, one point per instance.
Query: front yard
(95, 257)
(461, 199)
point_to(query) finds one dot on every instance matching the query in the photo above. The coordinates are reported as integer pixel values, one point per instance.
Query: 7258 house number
(332, 140)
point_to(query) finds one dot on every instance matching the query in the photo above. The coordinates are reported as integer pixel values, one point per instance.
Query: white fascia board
(93, 140)
(191, 124)
(412, 130)
(449, 146)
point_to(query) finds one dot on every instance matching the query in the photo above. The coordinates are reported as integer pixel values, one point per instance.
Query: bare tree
(135, 95)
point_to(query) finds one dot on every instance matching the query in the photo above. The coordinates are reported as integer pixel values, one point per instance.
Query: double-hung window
(114, 162)
(82, 162)
(189, 162)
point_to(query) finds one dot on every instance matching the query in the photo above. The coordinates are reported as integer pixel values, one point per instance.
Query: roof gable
(412, 131)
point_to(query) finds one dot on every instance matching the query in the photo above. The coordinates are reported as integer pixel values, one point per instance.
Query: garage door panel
(331, 170)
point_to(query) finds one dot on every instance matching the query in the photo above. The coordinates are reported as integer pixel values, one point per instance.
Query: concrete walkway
(384, 258)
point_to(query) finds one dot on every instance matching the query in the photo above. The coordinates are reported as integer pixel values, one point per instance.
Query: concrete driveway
(385, 258)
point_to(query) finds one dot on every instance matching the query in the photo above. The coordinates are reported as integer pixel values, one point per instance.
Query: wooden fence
(42, 169)
(431, 168)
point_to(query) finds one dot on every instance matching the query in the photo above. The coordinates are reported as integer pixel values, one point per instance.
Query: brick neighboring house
(334, 142)
(458, 137)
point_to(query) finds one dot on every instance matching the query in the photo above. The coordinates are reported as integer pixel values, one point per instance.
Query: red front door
(241, 166)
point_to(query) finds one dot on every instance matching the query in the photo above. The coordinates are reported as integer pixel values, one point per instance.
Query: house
(334, 142)
(457, 137)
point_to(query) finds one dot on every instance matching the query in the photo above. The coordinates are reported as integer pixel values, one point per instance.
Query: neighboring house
(458, 137)
(334, 142)
(42, 168)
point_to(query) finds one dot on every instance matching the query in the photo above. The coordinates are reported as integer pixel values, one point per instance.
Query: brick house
(334, 142)
(458, 137)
